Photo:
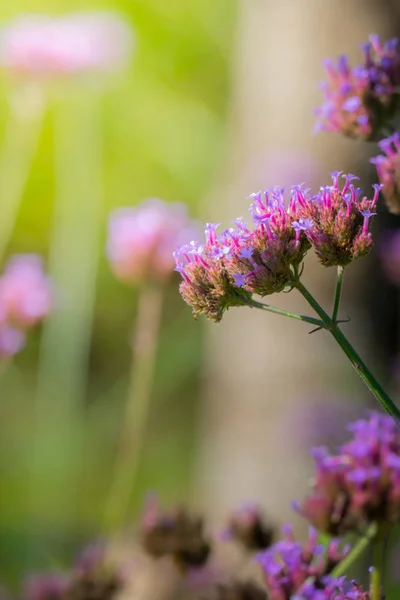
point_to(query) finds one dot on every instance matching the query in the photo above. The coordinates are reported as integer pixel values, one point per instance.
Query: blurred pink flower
(141, 239)
(43, 45)
(11, 341)
(389, 254)
(25, 291)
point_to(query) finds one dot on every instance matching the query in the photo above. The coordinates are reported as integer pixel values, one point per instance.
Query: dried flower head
(46, 46)
(46, 586)
(248, 526)
(176, 533)
(388, 169)
(360, 101)
(25, 291)
(238, 590)
(338, 220)
(141, 239)
(359, 485)
(288, 565)
(94, 577)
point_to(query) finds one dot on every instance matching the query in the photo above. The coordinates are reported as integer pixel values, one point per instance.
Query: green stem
(355, 552)
(377, 569)
(358, 364)
(17, 154)
(66, 337)
(338, 293)
(285, 313)
(145, 343)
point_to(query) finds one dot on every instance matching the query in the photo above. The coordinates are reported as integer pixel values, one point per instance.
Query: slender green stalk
(356, 551)
(358, 364)
(285, 313)
(338, 293)
(73, 261)
(377, 569)
(17, 153)
(144, 349)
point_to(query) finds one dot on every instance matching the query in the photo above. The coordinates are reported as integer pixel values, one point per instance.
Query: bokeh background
(215, 103)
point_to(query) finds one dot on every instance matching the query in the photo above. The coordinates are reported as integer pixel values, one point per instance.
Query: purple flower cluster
(361, 484)
(388, 169)
(141, 239)
(92, 576)
(228, 268)
(359, 101)
(288, 566)
(25, 299)
(332, 589)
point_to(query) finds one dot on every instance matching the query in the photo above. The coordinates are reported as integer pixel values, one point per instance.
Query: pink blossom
(43, 45)
(25, 291)
(388, 169)
(141, 239)
(11, 341)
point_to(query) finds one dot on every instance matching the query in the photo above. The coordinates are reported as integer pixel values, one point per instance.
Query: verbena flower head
(288, 564)
(332, 589)
(359, 101)
(359, 485)
(46, 46)
(248, 526)
(388, 169)
(25, 291)
(339, 217)
(176, 533)
(228, 268)
(45, 586)
(141, 239)
(94, 576)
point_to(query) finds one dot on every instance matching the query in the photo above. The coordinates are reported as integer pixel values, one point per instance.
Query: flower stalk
(145, 343)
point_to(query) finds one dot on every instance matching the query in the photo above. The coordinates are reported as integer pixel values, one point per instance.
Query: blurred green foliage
(163, 134)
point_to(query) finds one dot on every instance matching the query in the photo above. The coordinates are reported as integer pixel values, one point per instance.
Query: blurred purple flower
(388, 169)
(43, 45)
(361, 484)
(141, 239)
(47, 586)
(248, 526)
(12, 341)
(389, 255)
(359, 101)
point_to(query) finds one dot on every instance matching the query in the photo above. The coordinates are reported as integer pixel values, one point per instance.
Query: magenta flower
(388, 169)
(25, 291)
(360, 484)
(141, 239)
(340, 220)
(43, 45)
(359, 101)
(288, 565)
